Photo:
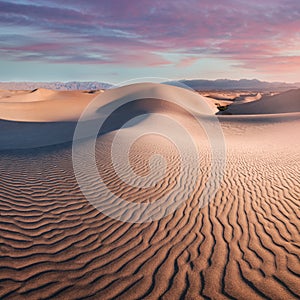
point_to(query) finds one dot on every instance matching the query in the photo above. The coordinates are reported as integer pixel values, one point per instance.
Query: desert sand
(286, 102)
(244, 244)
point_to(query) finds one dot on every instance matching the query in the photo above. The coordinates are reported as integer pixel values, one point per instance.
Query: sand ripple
(244, 244)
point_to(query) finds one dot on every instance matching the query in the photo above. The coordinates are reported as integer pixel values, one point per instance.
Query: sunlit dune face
(150, 152)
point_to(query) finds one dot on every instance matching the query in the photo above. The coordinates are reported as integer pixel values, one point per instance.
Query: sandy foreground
(243, 244)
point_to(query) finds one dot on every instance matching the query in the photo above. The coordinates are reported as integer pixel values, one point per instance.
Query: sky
(118, 40)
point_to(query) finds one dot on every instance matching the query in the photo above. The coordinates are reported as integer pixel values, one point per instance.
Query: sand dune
(244, 244)
(224, 99)
(52, 106)
(248, 98)
(50, 116)
(44, 106)
(282, 103)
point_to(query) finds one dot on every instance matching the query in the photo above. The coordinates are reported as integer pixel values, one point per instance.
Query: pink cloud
(255, 34)
(187, 61)
(275, 64)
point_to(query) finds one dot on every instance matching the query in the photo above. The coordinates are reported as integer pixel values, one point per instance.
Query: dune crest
(52, 120)
(286, 102)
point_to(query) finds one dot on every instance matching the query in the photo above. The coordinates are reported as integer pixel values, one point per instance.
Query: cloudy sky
(116, 40)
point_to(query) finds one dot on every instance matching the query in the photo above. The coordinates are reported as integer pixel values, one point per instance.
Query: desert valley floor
(244, 244)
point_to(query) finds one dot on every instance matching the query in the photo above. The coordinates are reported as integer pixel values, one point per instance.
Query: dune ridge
(53, 119)
(286, 102)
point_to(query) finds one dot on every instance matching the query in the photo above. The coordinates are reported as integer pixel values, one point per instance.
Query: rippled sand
(243, 244)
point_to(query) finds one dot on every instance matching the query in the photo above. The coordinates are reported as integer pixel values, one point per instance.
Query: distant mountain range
(197, 84)
(59, 86)
(242, 84)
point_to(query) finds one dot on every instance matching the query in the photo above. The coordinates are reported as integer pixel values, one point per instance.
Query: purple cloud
(146, 32)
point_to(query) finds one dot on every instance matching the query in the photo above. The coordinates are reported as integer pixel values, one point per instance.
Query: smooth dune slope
(44, 106)
(244, 244)
(285, 102)
(52, 106)
(51, 117)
